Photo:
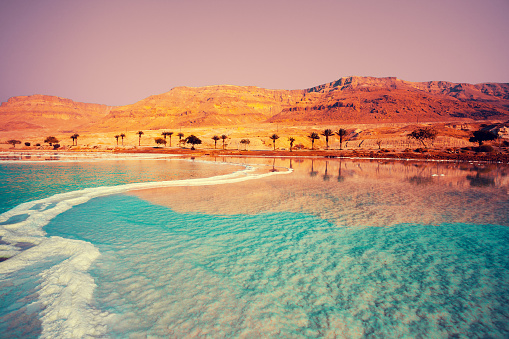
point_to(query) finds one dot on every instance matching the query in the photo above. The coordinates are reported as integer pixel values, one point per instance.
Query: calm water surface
(335, 248)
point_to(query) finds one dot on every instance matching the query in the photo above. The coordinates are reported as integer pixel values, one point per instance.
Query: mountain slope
(347, 100)
(48, 113)
(204, 106)
(371, 100)
(351, 99)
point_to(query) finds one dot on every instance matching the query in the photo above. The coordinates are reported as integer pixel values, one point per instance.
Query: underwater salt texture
(336, 248)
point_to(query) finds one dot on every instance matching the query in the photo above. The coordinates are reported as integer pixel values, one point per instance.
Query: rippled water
(335, 248)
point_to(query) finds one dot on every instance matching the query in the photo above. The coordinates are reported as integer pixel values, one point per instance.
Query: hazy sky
(120, 51)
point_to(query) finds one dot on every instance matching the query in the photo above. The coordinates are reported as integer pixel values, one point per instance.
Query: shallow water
(334, 248)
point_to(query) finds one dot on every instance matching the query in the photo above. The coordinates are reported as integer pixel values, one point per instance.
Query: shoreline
(426, 155)
(431, 155)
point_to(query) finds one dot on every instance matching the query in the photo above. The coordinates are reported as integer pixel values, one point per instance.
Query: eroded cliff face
(347, 100)
(45, 112)
(371, 100)
(204, 106)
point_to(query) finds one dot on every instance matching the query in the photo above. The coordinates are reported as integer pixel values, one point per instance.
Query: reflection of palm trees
(291, 164)
(313, 173)
(340, 177)
(480, 181)
(326, 177)
(274, 165)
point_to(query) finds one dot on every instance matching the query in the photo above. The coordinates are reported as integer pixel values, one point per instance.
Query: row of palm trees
(315, 136)
(327, 133)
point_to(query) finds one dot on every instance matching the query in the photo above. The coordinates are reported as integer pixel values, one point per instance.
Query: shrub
(14, 142)
(481, 136)
(56, 146)
(485, 149)
(423, 134)
(27, 144)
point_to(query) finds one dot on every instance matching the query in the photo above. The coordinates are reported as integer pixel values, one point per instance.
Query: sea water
(331, 248)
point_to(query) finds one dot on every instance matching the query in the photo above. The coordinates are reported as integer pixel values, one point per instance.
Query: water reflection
(326, 177)
(340, 177)
(366, 192)
(312, 172)
(479, 180)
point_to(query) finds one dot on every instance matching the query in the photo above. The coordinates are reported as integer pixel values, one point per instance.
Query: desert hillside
(370, 108)
(40, 114)
(374, 100)
(203, 106)
(347, 100)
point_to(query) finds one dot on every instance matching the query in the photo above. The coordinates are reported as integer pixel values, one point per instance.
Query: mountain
(41, 113)
(204, 106)
(371, 100)
(347, 100)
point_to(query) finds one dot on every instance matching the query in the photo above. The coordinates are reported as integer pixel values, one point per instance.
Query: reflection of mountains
(418, 173)
(356, 192)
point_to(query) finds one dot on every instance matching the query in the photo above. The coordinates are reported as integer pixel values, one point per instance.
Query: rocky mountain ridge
(346, 100)
(48, 113)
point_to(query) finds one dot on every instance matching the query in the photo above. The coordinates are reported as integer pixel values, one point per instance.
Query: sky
(117, 52)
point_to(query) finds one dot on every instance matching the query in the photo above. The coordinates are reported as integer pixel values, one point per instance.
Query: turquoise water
(26, 181)
(359, 250)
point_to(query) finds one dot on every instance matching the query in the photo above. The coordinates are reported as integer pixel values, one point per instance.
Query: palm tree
(215, 138)
(341, 133)
(180, 135)
(140, 133)
(291, 140)
(224, 137)
(166, 133)
(74, 138)
(274, 137)
(122, 135)
(313, 136)
(116, 137)
(327, 133)
(245, 142)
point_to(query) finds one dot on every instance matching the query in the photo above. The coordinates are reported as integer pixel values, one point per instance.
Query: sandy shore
(423, 155)
(460, 155)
